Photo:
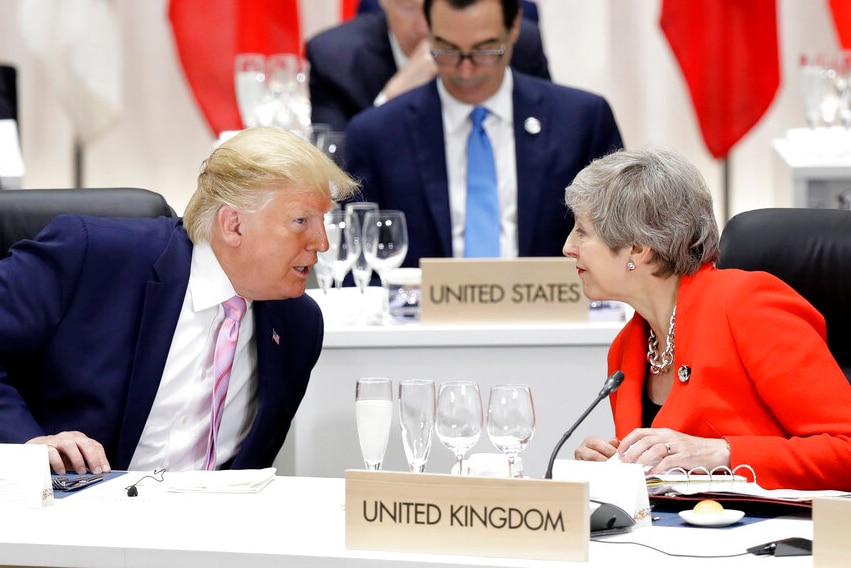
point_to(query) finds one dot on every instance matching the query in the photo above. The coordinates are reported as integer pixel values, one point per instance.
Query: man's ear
(514, 31)
(229, 222)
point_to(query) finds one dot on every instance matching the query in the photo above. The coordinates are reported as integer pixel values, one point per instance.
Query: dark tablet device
(794, 546)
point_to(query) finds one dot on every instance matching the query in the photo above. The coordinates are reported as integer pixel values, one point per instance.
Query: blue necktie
(482, 226)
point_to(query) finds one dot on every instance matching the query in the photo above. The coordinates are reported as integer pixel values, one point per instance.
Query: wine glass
(511, 420)
(373, 415)
(361, 271)
(344, 243)
(416, 417)
(250, 82)
(385, 244)
(458, 422)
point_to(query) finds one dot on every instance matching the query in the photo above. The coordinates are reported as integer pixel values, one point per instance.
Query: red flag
(209, 34)
(728, 53)
(841, 10)
(348, 9)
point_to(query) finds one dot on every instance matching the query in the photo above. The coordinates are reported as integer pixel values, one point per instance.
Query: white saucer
(722, 519)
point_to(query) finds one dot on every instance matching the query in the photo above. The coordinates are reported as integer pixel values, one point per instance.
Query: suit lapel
(425, 125)
(532, 130)
(161, 310)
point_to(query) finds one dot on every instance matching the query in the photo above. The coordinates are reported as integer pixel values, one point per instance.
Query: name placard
(511, 290)
(474, 516)
(831, 548)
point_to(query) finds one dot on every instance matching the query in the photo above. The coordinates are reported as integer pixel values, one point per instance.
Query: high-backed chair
(9, 93)
(809, 249)
(24, 212)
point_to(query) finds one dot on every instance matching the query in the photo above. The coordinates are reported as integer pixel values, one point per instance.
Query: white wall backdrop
(613, 47)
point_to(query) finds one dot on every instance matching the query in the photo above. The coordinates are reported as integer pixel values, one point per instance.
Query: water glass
(458, 422)
(344, 243)
(417, 406)
(385, 245)
(361, 271)
(511, 420)
(373, 415)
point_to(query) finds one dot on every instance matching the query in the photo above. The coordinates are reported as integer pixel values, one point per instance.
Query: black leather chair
(24, 212)
(9, 93)
(809, 249)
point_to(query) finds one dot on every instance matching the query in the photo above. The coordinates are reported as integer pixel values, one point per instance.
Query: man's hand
(74, 451)
(419, 70)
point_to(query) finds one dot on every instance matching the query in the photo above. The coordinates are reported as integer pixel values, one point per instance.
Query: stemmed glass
(281, 69)
(250, 83)
(361, 271)
(385, 244)
(458, 423)
(511, 420)
(373, 414)
(324, 274)
(417, 403)
(344, 243)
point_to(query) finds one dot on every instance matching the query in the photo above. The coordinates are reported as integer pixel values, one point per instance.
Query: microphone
(611, 385)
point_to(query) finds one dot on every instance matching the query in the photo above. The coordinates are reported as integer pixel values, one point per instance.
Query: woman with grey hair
(722, 367)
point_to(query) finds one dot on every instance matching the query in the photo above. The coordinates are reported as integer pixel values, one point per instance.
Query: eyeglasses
(482, 57)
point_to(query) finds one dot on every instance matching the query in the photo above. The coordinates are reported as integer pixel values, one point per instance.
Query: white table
(300, 522)
(565, 365)
(812, 167)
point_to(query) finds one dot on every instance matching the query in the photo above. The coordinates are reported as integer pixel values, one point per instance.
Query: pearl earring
(630, 266)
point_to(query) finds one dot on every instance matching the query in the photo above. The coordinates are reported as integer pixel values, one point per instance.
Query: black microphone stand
(610, 386)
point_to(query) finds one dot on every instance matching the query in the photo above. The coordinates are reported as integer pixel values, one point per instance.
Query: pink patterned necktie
(222, 363)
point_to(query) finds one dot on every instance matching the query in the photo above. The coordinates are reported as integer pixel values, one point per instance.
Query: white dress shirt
(176, 432)
(499, 125)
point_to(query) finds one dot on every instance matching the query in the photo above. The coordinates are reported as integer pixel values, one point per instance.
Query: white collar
(208, 284)
(399, 56)
(456, 113)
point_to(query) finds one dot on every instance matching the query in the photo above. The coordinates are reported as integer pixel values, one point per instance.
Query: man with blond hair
(109, 327)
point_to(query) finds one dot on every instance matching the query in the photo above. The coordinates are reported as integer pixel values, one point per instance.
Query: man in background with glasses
(377, 56)
(416, 153)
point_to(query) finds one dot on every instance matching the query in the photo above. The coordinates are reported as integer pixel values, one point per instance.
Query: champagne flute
(458, 422)
(344, 243)
(361, 271)
(250, 82)
(282, 69)
(416, 417)
(511, 420)
(385, 245)
(373, 415)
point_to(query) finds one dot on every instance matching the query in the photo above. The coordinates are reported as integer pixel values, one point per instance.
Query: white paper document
(225, 481)
(24, 476)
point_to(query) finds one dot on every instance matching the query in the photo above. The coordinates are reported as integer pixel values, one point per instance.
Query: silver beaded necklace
(657, 364)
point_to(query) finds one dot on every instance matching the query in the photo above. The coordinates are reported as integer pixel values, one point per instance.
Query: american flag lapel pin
(275, 337)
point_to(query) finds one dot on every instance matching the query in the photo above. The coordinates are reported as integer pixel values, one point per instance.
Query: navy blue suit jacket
(87, 314)
(351, 63)
(397, 152)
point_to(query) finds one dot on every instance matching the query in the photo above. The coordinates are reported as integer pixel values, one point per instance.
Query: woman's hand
(74, 451)
(596, 449)
(661, 449)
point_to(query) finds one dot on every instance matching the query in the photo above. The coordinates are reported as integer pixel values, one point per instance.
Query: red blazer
(761, 377)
